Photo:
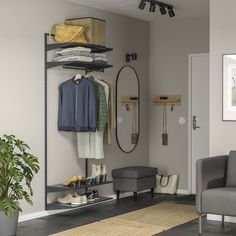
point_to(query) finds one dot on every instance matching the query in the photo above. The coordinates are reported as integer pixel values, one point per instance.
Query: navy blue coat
(77, 106)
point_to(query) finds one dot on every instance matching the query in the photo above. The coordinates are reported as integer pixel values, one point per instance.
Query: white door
(199, 112)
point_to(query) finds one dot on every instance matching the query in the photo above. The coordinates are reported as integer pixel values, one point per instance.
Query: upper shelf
(95, 48)
(79, 65)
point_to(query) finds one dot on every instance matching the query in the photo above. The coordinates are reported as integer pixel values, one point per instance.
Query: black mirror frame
(117, 140)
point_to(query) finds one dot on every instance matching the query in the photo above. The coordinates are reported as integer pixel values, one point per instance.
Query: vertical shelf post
(45, 119)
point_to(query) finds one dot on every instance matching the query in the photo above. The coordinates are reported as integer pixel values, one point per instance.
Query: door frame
(190, 56)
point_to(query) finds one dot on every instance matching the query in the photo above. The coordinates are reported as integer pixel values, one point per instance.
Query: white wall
(23, 24)
(222, 41)
(170, 43)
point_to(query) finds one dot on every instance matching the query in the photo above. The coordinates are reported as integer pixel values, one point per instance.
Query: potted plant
(17, 168)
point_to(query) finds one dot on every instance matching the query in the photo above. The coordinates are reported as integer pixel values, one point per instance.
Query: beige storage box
(95, 29)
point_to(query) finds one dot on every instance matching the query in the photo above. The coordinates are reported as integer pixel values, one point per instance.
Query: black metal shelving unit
(87, 66)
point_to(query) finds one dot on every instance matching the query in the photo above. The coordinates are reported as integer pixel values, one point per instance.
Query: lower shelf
(62, 188)
(58, 206)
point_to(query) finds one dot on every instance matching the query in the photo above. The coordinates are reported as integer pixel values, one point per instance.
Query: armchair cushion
(220, 201)
(231, 170)
(211, 174)
(134, 172)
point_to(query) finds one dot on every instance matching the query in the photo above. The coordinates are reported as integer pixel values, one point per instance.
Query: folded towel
(100, 59)
(100, 55)
(76, 58)
(75, 53)
(62, 57)
(74, 49)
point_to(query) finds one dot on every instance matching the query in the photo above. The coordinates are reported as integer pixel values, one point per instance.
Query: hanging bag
(67, 33)
(134, 133)
(164, 134)
(166, 185)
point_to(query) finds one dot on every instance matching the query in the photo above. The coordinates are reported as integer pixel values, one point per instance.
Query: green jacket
(102, 107)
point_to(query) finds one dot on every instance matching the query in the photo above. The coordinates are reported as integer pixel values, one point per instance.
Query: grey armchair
(216, 186)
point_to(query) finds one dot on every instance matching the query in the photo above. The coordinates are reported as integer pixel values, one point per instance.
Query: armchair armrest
(210, 173)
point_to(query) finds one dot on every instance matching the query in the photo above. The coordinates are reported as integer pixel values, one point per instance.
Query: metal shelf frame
(93, 66)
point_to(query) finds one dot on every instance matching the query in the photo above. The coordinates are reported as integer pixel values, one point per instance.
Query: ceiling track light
(142, 5)
(171, 12)
(164, 7)
(162, 10)
(152, 7)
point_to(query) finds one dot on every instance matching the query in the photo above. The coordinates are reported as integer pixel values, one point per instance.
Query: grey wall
(22, 85)
(171, 42)
(222, 41)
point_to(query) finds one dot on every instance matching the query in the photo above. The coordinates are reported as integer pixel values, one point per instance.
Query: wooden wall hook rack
(127, 100)
(170, 100)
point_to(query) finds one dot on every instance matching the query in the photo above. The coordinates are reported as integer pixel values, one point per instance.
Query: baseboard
(229, 219)
(33, 216)
(183, 191)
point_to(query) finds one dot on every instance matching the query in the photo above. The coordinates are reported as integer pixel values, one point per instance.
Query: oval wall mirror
(127, 109)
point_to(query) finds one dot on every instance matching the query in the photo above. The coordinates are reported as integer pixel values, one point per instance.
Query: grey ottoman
(134, 179)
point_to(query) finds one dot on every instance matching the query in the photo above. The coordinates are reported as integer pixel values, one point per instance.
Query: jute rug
(144, 222)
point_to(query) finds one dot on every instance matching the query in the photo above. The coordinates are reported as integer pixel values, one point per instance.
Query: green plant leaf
(17, 168)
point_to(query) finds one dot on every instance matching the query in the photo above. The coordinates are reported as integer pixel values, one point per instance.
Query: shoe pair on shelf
(92, 195)
(74, 180)
(73, 199)
(99, 174)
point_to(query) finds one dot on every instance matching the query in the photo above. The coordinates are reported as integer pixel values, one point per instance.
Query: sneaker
(76, 200)
(66, 200)
(90, 196)
(103, 177)
(84, 199)
(95, 193)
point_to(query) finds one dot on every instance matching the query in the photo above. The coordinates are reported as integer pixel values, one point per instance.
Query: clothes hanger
(78, 76)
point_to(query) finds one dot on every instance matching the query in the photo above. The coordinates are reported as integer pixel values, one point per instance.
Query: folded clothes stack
(100, 57)
(74, 54)
(79, 54)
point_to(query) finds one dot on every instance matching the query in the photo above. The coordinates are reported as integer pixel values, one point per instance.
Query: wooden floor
(64, 221)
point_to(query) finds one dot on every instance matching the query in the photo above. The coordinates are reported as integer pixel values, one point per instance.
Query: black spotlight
(142, 5)
(152, 7)
(162, 10)
(171, 12)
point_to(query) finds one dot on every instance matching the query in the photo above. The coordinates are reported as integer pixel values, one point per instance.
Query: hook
(127, 107)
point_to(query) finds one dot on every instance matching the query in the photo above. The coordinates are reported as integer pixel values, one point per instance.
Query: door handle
(195, 126)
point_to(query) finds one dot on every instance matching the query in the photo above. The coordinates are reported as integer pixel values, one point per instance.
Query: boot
(103, 173)
(98, 173)
(94, 169)
(92, 178)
